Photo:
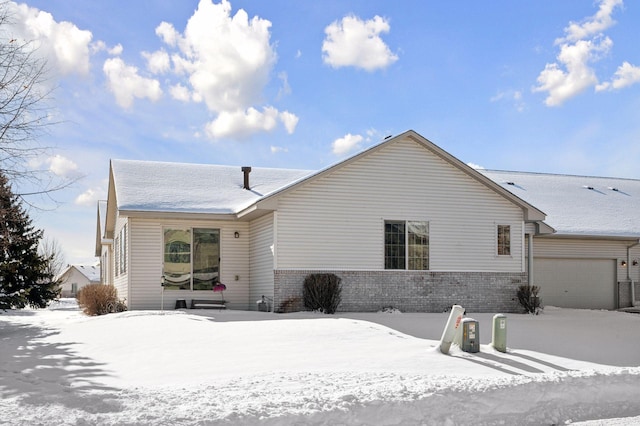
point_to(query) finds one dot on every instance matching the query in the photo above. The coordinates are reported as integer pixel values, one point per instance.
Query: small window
(504, 240)
(406, 245)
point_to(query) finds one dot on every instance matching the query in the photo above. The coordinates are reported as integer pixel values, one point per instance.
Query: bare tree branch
(25, 93)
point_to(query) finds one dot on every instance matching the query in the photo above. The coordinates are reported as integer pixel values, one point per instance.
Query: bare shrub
(289, 305)
(322, 292)
(99, 299)
(528, 298)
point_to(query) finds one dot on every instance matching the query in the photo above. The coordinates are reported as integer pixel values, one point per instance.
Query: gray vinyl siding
(146, 257)
(589, 248)
(261, 255)
(337, 221)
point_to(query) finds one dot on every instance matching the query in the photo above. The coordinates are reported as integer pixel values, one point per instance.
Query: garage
(576, 283)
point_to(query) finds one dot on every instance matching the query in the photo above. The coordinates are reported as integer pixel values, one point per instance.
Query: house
(403, 223)
(591, 260)
(74, 277)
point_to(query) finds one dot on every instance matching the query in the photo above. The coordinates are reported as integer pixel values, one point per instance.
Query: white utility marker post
(499, 335)
(451, 328)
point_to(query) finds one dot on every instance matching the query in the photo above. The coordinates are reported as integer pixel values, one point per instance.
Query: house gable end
(269, 202)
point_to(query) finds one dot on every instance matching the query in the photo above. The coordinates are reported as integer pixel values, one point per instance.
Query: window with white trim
(406, 245)
(120, 251)
(504, 240)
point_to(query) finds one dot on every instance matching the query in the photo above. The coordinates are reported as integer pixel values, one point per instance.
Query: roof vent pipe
(246, 170)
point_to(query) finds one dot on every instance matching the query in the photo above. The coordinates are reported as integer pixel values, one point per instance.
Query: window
(504, 240)
(123, 250)
(191, 258)
(120, 251)
(406, 245)
(116, 254)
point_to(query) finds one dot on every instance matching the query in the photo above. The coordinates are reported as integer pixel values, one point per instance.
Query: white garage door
(576, 283)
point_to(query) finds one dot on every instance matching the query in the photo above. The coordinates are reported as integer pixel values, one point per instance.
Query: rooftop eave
(146, 214)
(593, 236)
(258, 209)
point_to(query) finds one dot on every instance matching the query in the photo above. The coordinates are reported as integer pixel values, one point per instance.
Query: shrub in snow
(390, 310)
(99, 299)
(528, 298)
(292, 304)
(322, 292)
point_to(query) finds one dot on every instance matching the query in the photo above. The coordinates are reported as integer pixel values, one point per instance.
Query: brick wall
(408, 291)
(624, 293)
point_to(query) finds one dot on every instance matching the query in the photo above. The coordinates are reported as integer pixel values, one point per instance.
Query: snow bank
(204, 367)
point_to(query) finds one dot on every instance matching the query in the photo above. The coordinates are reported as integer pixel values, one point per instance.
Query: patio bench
(208, 304)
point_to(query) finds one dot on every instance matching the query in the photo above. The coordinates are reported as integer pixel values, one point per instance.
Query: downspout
(633, 287)
(530, 259)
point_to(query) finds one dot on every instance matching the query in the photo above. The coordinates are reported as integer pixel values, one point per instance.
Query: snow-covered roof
(578, 205)
(193, 188)
(92, 272)
(102, 214)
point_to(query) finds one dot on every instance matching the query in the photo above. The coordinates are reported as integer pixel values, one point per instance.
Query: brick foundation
(408, 291)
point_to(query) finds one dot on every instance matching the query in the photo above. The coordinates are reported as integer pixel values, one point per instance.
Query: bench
(208, 304)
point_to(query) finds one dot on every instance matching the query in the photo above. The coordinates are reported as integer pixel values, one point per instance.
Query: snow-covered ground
(59, 367)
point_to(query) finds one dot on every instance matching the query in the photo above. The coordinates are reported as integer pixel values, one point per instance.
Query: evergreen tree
(24, 276)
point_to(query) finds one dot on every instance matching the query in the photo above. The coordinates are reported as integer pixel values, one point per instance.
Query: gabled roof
(100, 226)
(579, 205)
(91, 272)
(530, 212)
(149, 186)
(169, 189)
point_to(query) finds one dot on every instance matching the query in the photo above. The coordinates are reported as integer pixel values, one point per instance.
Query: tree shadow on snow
(41, 373)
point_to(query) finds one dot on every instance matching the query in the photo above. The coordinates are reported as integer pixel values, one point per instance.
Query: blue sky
(545, 86)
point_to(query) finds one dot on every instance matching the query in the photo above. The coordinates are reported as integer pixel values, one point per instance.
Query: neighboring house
(403, 223)
(74, 277)
(592, 260)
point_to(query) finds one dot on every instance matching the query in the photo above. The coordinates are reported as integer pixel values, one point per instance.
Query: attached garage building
(592, 260)
(577, 283)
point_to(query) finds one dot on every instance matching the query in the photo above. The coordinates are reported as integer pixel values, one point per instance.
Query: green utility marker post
(499, 335)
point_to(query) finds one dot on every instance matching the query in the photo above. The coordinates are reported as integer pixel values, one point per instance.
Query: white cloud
(583, 44)
(57, 164)
(354, 42)
(242, 124)
(285, 89)
(563, 84)
(225, 61)
(167, 33)
(625, 75)
(180, 93)
(61, 166)
(90, 197)
(475, 166)
(62, 44)
(514, 96)
(277, 149)
(228, 58)
(593, 25)
(346, 144)
(126, 84)
(157, 62)
(116, 50)
(289, 120)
